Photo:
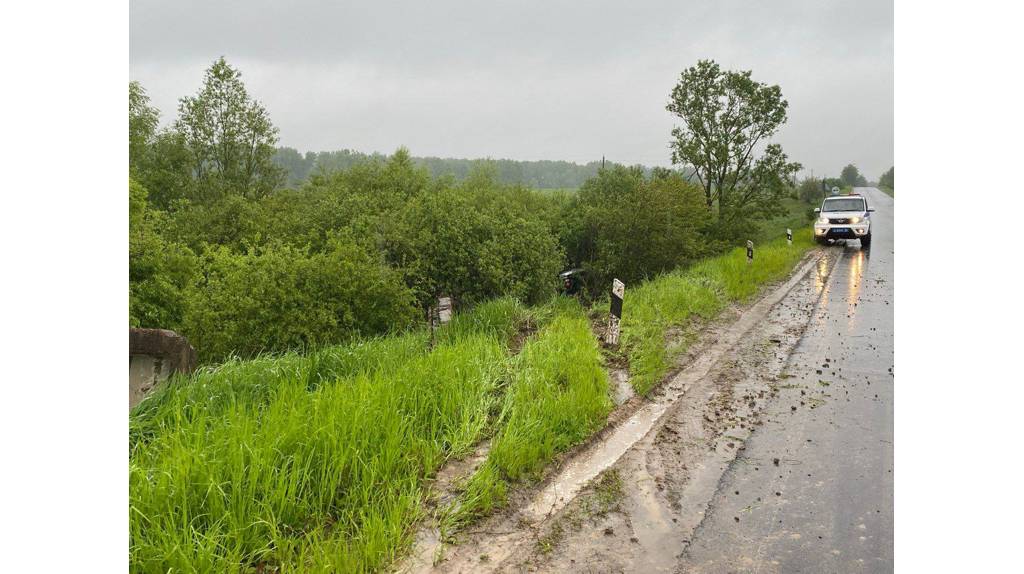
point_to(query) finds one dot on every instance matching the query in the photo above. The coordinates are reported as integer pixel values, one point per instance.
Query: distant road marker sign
(615, 316)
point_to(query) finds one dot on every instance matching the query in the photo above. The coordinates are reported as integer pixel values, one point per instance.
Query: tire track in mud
(671, 451)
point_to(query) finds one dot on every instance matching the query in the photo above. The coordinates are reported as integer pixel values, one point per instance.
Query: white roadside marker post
(444, 310)
(750, 252)
(789, 236)
(615, 316)
(439, 315)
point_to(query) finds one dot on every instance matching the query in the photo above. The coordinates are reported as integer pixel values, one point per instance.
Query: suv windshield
(844, 204)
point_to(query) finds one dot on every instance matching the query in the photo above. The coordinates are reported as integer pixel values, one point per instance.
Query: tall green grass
(701, 291)
(309, 464)
(316, 463)
(558, 396)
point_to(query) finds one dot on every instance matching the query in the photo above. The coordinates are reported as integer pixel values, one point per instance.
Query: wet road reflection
(855, 274)
(832, 509)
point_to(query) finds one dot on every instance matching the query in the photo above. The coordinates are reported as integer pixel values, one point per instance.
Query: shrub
(159, 271)
(277, 297)
(622, 225)
(473, 244)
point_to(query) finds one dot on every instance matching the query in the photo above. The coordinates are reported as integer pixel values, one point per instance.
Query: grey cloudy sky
(528, 80)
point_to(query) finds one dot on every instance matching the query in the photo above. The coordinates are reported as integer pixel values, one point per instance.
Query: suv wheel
(865, 241)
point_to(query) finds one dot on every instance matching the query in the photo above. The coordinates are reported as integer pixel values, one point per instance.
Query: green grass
(317, 462)
(309, 464)
(888, 191)
(701, 291)
(797, 214)
(558, 396)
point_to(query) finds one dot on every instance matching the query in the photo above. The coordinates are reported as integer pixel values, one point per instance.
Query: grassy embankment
(699, 292)
(311, 464)
(557, 397)
(318, 463)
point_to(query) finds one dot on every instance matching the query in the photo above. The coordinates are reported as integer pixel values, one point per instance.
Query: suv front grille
(839, 220)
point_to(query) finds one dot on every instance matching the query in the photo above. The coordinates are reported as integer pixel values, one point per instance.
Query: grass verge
(558, 396)
(309, 464)
(700, 291)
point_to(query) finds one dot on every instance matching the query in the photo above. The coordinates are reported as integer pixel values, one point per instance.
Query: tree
(142, 123)
(852, 177)
(230, 136)
(726, 115)
(886, 180)
(811, 190)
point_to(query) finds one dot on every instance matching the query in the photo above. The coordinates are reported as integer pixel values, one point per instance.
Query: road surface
(834, 508)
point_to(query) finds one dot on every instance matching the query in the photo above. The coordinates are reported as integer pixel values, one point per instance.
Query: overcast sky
(528, 80)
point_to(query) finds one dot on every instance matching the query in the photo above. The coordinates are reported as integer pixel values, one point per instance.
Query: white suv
(844, 217)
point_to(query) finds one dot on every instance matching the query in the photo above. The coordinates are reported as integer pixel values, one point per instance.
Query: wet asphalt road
(827, 504)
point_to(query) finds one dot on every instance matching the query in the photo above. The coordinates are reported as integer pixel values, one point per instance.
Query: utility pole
(602, 162)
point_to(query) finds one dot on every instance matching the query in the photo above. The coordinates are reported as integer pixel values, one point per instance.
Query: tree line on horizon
(538, 174)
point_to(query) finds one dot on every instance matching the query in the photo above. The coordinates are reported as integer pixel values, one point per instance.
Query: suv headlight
(855, 220)
(822, 220)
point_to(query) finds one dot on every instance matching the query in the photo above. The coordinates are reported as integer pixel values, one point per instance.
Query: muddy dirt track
(770, 451)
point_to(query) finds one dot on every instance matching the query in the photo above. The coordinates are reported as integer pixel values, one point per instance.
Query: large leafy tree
(230, 136)
(727, 118)
(142, 123)
(851, 176)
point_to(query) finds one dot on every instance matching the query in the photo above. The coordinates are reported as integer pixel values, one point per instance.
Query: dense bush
(466, 242)
(269, 274)
(366, 250)
(277, 297)
(158, 271)
(624, 225)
